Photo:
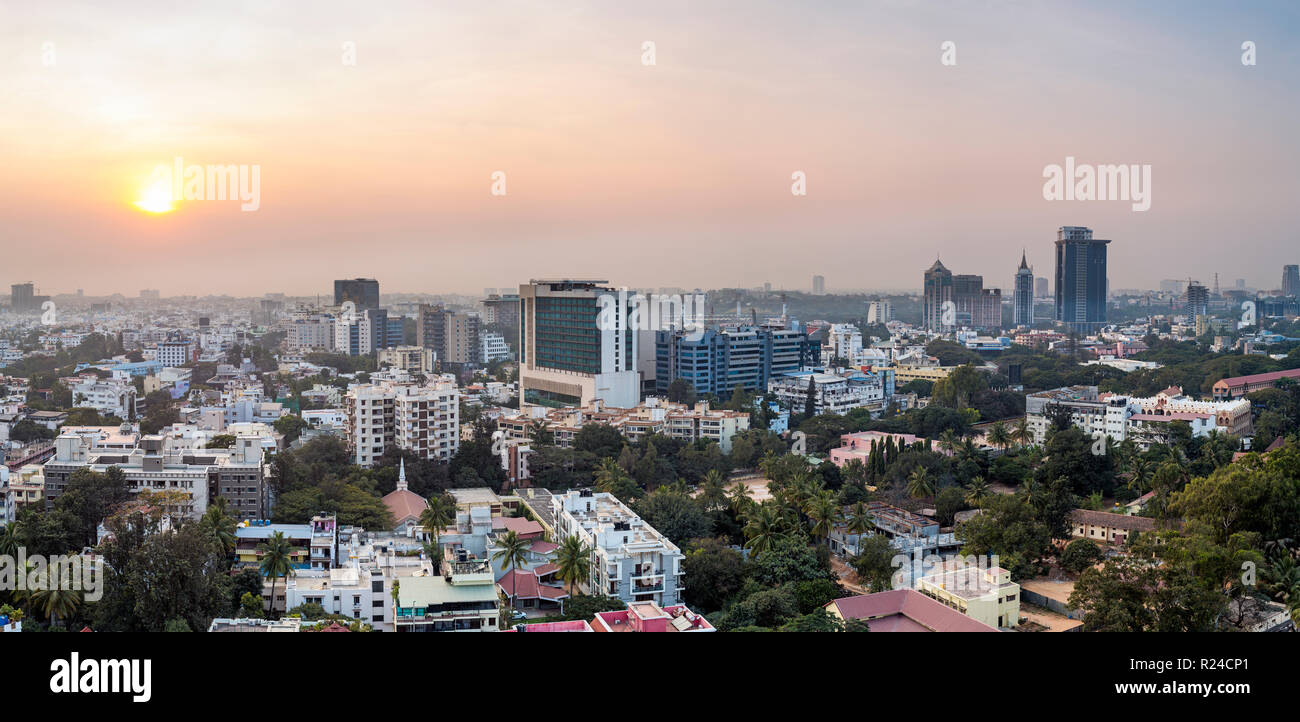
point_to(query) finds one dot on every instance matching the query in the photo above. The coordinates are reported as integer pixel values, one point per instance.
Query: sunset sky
(676, 174)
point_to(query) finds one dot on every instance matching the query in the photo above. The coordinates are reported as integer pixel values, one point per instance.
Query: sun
(157, 198)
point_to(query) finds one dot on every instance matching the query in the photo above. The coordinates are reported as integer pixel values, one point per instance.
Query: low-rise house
(904, 610)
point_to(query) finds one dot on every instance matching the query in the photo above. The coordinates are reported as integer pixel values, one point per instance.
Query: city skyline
(384, 168)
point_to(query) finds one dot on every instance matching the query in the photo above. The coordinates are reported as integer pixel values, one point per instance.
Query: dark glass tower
(1081, 282)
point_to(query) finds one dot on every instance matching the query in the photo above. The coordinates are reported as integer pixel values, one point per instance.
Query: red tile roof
(523, 584)
(906, 610)
(403, 504)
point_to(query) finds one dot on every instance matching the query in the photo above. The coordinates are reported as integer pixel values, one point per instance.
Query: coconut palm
(764, 528)
(512, 551)
(948, 441)
(277, 560)
(435, 517)
(854, 471)
(825, 513)
(9, 539)
(919, 483)
(713, 491)
(976, 491)
(1022, 434)
(999, 436)
(218, 522)
(1139, 475)
(574, 561)
(740, 499)
(859, 519)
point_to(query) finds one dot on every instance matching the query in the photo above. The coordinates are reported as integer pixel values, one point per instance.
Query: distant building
(1081, 281)
(363, 292)
(1235, 387)
(972, 305)
(819, 285)
(879, 311)
(717, 361)
(1041, 289)
(1024, 300)
(421, 419)
(1196, 301)
(1290, 280)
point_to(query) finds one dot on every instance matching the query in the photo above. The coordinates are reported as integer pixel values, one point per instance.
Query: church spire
(401, 476)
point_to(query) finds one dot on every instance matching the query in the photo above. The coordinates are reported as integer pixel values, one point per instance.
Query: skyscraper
(1291, 280)
(364, 292)
(1081, 282)
(1024, 299)
(1196, 301)
(937, 291)
(819, 285)
(1040, 288)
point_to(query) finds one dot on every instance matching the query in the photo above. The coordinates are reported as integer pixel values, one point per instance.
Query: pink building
(859, 445)
(648, 617)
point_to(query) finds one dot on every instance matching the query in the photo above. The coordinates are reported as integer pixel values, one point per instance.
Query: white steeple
(401, 476)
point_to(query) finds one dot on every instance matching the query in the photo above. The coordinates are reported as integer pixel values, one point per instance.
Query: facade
(174, 353)
(833, 394)
(422, 419)
(1081, 281)
(155, 465)
(630, 560)
(1196, 301)
(1108, 528)
(115, 397)
(1236, 387)
(1291, 280)
(717, 361)
(972, 305)
(493, 347)
(985, 595)
(653, 416)
(879, 311)
(1024, 301)
(567, 355)
(453, 336)
(1145, 420)
(363, 292)
(412, 359)
(461, 599)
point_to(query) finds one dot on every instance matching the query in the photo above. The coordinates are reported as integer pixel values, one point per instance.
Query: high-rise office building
(717, 361)
(880, 311)
(1291, 280)
(1041, 289)
(1196, 301)
(973, 305)
(22, 297)
(1024, 300)
(1081, 282)
(570, 353)
(819, 285)
(364, 292)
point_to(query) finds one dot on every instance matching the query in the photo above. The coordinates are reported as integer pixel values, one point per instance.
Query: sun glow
(157, 198)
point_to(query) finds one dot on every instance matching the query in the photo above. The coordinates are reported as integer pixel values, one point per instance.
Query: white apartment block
(424, 419)
(630, 560)
(173, 353)
(412, 359)
(493, 347)
(1145, 420)
(834, 394)
(844, 341)
(652, 416)
(107, 396)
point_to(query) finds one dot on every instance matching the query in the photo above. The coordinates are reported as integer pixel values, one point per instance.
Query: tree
(277, 560)
(810, 401)
(573, 560)
(218, 523)
(713, 492)
(250, 606)
(438, 514)
(976, 491)
(512, 552)
(1080, 554)
(874, 563)
(919, 483)
(674, 514)
(818, 620)
(764, 528)
(716, 573)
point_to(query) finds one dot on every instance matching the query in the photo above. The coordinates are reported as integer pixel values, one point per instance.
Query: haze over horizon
(675, 174)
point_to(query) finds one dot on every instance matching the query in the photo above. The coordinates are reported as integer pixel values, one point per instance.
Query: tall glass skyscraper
(1024, 310)
(1081, 282)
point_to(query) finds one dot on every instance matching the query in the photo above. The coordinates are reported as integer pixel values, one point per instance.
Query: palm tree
(540, 434)
(825, 514)
(854, 471)
(859, 521)
(574, 561)
(56, 602)
(1022, 434)
(1139, 474)
(741, 501)
(218, 522)
(976, 491)
(512, 551)
(610, 477)
(998, 435)
(277, 560)
(919, 483)
(948, 441)
(9, 540)
(764, 528)
(713, 492)
(440, 512)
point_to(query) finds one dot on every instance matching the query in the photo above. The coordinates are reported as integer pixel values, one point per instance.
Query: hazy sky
(674, 174)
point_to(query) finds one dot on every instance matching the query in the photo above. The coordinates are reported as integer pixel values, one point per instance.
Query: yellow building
(985, 595)
(903, 374)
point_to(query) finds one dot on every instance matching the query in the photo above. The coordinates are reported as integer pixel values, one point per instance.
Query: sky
(376, 129)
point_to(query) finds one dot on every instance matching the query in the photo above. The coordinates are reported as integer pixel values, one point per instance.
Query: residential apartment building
(423, 419)
(653, 416)
(494, 347)
(113, 396)
(201, 474)
(462, 599)
(630, 560)
(833, 394)
(1145, 420)
(174, 353)
(412, 359)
